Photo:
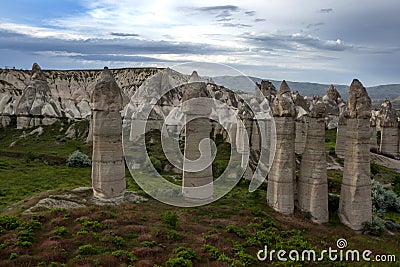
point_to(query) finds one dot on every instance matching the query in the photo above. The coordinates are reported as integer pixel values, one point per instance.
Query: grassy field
(228, 232)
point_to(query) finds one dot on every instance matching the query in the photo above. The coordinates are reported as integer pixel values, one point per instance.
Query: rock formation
(334, 106)
(281, 179)
(247, 116)
(389, 129)
(197, 184)
(302, 110)
(355, 206)
(69, 90)
(267, 89)
(341, 135)
(374, 140)
(36, 105)
(108, 167)
(312, 186)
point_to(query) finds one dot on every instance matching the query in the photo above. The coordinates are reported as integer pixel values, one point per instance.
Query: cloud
(326, 10)
(236, 25)
(296, 42)
(259, 20)
(121, 34)
(250, 13)
(221, 13)
(228, 8)
(314, 25)
(117, 48)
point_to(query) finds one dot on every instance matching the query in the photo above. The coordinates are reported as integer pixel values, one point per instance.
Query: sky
(329, 41)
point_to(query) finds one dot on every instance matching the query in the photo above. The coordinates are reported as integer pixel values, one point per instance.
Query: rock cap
(359, 104)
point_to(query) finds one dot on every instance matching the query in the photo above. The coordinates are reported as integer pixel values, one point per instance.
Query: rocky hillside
(69, 90)
(377, 93)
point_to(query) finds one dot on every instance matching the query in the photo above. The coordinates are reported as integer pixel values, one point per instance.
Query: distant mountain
(377, 93)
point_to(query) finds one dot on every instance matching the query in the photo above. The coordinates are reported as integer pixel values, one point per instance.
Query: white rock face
(108, 167)
(355, 206)
(69, 91)
(281, 179)
(312, 186)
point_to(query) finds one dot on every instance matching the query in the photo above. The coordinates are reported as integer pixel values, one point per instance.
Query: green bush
(78, 159)
(60, 231)
(383, 199)
(118, 253)
(118, 241)
(396, 185)
(174, 235)
(186, 253)
(375, 227)
(156, 163)
(179, 262)
(88, 249)
(170, 219)
(9, 222)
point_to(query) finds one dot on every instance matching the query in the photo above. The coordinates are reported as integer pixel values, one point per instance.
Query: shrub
(383, 199)
(396, 185)
(149, 243)
(186, 253)
(375, 227)
(60, 231)
(118, 241)
(179, 262)
(118, 253)
(78, 159)
(156, 163)
(174, 235)
(88, 249)
(239, 231)
(170, 219)
(9, 222)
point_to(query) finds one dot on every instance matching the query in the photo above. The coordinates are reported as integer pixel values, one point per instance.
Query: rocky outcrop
(36, 105)
(281, 179)
(197, 179)
(355, 206)
(302, 110)
(389, 129)
(334, 105)
(267, 89)
(70, 90)
(312, 186)
(108, 167)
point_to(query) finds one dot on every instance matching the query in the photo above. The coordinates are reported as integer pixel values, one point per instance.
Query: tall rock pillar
(341, 135)
(197, 184)
(108, 168)
(281, 178)
(312, 185)
(389, 129)
(355, 206)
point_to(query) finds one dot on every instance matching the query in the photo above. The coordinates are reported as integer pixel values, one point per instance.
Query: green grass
(21, 179)
(51, 145)
(383, 174)
(330, 139)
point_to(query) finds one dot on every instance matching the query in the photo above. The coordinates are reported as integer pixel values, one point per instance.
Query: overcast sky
(317, 41)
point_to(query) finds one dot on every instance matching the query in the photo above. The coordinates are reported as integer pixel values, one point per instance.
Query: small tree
(78, 159)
